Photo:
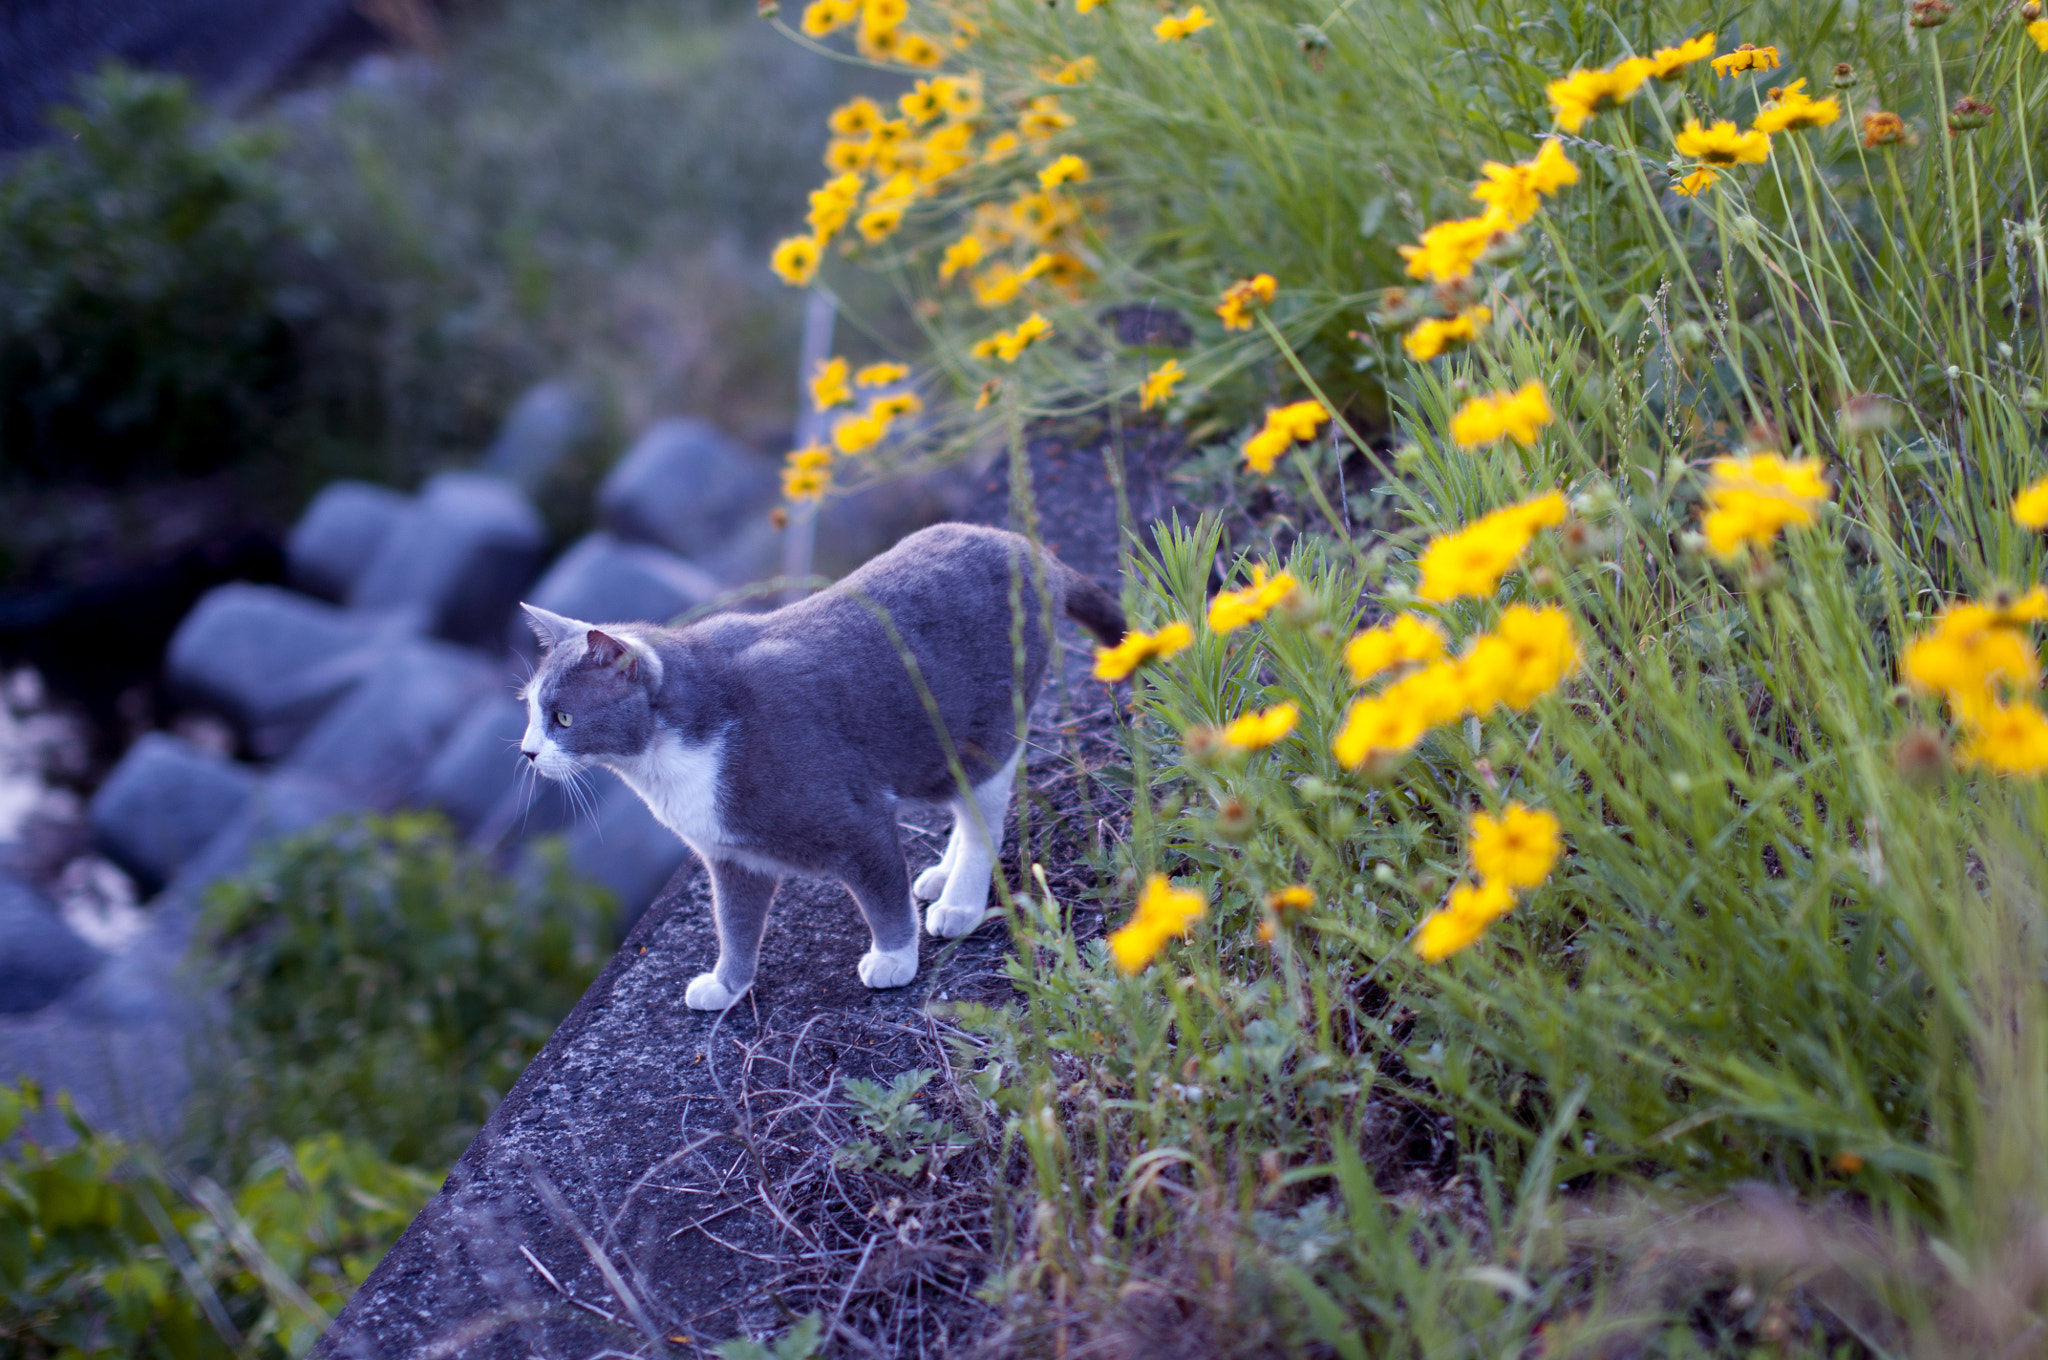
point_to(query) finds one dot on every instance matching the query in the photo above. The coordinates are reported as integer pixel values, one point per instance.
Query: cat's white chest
(679, 784)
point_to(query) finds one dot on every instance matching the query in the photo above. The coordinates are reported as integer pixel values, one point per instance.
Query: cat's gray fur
(782, 743)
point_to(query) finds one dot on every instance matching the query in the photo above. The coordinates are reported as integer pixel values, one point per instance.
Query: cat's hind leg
(932, 882)
(739, 908)
(963, 904)
(880, 883)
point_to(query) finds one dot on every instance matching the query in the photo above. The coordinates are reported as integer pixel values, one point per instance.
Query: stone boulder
(605, 580)
(479, 766)
(339, 535)
(270, 661)
(456, 562)
(544, 428)
(163, 803)
(376, 743)
(684, 486)
(41, 958)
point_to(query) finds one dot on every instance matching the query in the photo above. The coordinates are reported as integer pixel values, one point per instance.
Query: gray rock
(607, 581)
(41, 958)
(163, 803)
(478, 766)
(625, 848)
(269, 661)
(685, 486)
(544, 427)
(456, 563)
(339, 536)
(376, 743)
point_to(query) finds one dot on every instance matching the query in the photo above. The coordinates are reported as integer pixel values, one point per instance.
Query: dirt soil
(661, 1179)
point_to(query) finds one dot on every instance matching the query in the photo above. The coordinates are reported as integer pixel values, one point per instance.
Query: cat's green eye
(563, 718)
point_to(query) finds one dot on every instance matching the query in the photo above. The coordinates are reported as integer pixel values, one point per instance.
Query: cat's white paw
(894, 968)
(931, 882)
(951, 922)
(707, 993)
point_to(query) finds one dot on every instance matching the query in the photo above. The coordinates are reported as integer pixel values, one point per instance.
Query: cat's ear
(552, 629)
(606, 650)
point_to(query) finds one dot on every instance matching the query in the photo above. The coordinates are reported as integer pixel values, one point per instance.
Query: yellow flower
(1667, 62)
(877, 224)
(827, 16)
(1285, 426)
(1066, 170)
(1521, 414)
(1075, 72)
(1525, 657)
(1174, 27)
(1580, 95)
(805, 484)
(961, 95)
(881, 375)
(1164, 913)
(1240, 299)
(2030, 507)
(1256, 731)
(888, 409)
(2010, 738)
(796, 258)
(999, 147)
(1042, 118)
(1751, 499)
(1377, 725)
(1159, 384)
(1748, 57)
(922, 104)
(1085, 6)
(915, 49)
(1723, 144)
(1516, 191)
(1696, 183)
(1406, 639)
(828, 385)
(1031, 329)
(1518, 849)
(1140, 649)
(1463, 920)
(1796, 111)
(1432, 336)
(1233, 609)
(1974, 650)
(855, 118)
(857, 434)
(1294, 897)
(1450, 249)
(883, 16)
(1472, 560)
(2038, 31)
(995, 287)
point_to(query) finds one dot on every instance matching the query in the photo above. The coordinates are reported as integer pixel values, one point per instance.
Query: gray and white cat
(782, 743)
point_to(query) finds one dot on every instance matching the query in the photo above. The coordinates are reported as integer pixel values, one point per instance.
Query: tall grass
(1756, 1064)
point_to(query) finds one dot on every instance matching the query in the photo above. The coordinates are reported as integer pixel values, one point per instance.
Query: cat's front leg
(881, 885)
(739, 909)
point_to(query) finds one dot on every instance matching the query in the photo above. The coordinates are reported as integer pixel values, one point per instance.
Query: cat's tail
(1087, 603)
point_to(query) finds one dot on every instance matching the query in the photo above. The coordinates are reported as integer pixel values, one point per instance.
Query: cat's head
(590, 700)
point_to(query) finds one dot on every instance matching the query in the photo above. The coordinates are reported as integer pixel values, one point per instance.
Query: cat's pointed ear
(552, 629)
(606, 650)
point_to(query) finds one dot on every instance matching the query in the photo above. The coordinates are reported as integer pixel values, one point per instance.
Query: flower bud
(1234, 820)
(1921, 756)
(1843, 76)
(1867, 413)
(1970, 113)
(2030, 11)
(1930, 13)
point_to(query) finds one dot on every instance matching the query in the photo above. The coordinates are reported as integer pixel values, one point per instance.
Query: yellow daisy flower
(1164, 913)
(1257, 731)
(795, 260)
(1433, 336)
(1518, 848)
(1580, 95)
(828, 385)
(1796, 111)
(1520, 414)
(1159, 384)
(1175, 27)
(1140, 649)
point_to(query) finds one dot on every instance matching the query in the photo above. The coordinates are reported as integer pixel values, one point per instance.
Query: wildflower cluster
(1512, 853)
(1285, 427)
(807, 472)
(1164, 913)
(1980, 659)
(1753, 497)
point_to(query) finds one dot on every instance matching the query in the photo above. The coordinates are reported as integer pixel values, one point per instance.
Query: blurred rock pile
(383, 678)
